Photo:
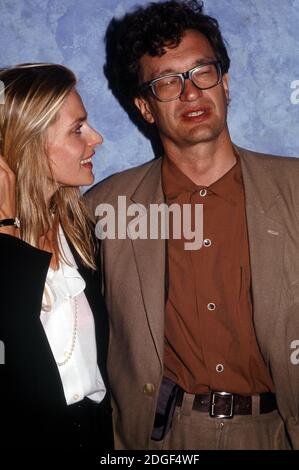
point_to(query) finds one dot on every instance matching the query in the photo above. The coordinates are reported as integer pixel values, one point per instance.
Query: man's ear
(225, 82)
(144, 107)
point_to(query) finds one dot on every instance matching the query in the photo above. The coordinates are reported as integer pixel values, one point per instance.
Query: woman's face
(71, 144)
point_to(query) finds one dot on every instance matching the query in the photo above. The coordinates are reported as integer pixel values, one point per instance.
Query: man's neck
(206, 162)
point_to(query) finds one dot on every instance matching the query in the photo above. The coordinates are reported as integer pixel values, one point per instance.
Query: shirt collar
(175, 182)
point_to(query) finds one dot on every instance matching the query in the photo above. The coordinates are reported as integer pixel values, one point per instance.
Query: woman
(53, 321)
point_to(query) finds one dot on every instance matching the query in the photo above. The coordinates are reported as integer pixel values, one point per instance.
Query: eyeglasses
(171, 86)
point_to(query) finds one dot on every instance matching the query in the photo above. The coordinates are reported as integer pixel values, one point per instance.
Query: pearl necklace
(74, 336)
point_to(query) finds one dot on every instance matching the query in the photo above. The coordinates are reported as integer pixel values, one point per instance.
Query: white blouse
(69, 326)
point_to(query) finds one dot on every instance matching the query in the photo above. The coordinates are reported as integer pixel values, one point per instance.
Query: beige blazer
(134, 272)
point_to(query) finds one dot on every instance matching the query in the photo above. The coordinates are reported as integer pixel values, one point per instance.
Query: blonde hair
(33, 96)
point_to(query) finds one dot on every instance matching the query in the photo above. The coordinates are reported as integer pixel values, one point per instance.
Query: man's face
(198, 115)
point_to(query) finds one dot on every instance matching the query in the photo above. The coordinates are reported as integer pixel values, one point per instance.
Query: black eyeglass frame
(149, 86)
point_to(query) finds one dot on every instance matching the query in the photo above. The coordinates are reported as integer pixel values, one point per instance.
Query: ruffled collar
(66, 282)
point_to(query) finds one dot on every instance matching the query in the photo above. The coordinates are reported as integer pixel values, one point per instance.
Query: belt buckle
(213, 405)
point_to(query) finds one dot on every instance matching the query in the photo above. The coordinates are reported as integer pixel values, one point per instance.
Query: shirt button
(76, 396)
(149, 390)
(207, 242)
(203, 192)
(219, 368)
(211, 306)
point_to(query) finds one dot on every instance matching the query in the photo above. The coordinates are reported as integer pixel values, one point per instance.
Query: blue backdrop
(262, 37)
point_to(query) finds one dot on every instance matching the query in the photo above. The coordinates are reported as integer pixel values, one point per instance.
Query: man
(201, 340)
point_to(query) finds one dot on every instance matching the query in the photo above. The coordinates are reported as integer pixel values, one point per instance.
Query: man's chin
(204, 136)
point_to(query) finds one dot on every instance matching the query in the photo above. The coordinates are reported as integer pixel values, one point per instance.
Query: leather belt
(226, 405)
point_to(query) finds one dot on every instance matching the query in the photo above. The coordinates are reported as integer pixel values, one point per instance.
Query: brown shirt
(210, 342)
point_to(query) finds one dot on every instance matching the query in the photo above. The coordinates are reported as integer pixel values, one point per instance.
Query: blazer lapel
(150, 255)
(266, 242)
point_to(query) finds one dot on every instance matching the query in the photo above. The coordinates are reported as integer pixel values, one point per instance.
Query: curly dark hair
(147, 30)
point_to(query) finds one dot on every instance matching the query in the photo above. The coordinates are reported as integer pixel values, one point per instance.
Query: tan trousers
(195, 430)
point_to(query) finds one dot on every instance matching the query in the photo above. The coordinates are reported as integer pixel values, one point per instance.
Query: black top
(33, 409)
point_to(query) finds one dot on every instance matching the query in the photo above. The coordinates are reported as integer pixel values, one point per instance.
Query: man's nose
(191, 92)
